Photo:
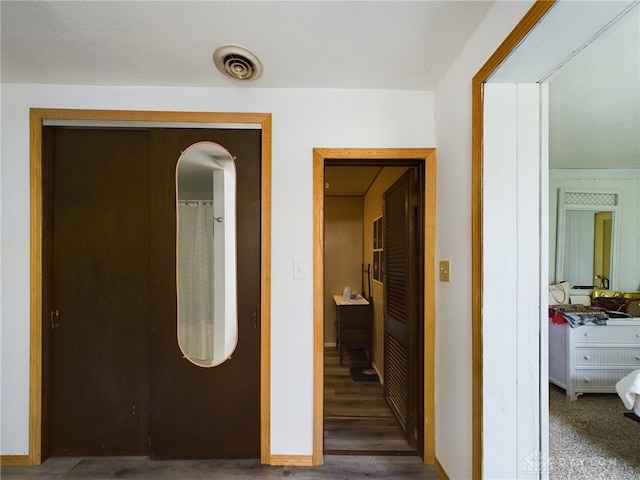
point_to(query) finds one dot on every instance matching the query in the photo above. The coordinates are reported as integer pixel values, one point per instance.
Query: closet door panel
(201, 412)
(96, 343)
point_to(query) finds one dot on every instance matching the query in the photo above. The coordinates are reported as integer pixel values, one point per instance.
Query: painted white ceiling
(360, 44)
(592, 67)
(594, 102)
(302, 44)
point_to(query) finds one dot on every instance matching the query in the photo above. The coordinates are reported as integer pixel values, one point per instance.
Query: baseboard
(440, 470)
(291, 460)
(15, 460)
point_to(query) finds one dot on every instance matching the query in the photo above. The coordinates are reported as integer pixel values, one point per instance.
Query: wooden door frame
(528, 23)
(37, 118)
(428, 157)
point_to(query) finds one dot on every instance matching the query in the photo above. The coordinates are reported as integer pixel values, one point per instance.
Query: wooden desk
(354, 324)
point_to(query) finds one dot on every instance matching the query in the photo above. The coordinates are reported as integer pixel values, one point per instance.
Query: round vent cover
(237, 62)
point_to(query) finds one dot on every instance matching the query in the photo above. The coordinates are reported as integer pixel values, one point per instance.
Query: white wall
(512, 223)
(302, 119)
(453, 241)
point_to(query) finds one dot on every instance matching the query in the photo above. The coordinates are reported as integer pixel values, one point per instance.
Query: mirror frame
(224, 322)
(565, 204)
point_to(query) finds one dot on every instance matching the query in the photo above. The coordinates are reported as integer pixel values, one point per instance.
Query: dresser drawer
(597, 378)
(355, 315)
(629, 334)
(595, 356)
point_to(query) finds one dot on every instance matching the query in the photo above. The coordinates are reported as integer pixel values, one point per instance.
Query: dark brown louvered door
(400, 311)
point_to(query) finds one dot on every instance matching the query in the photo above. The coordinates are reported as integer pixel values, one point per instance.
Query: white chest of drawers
(591, 359)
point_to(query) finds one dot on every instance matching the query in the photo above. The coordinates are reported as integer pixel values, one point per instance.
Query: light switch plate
(445, 271)
(298, 269)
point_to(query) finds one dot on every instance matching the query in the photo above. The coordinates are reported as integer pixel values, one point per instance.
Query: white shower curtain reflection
(195, 267)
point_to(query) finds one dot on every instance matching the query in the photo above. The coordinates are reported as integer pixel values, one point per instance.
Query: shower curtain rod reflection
(195, 202)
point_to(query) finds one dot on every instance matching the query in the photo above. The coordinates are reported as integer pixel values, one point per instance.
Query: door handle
(53, 314)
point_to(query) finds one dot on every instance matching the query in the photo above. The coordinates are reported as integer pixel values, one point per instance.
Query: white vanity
(591, 358)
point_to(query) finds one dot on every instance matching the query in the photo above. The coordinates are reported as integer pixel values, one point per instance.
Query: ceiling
(406, 45)
(592, 67)
(594, 102)
(349, 181)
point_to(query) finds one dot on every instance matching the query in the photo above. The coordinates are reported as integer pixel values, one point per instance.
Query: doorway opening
(42, 117)
(424, 161)
(488, 93)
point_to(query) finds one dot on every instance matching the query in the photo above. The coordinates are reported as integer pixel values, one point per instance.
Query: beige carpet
(591, 438)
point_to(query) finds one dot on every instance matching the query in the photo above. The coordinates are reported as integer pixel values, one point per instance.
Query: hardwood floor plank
(357, 419)
(382, 435)
(335, 467)
(365, 467)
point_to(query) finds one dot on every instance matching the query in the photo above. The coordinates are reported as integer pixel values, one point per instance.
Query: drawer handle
(637, 357)
(587, 357)
(588, 334)
(587, 379)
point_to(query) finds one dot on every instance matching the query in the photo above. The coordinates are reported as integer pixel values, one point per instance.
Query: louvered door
(400, 311)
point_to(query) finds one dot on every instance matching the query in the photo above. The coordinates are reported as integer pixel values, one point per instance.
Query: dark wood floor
(141, 468)
(357, 420)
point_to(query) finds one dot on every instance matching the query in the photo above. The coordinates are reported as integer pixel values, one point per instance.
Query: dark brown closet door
(400, 300)
(204, 412)
(98, 362)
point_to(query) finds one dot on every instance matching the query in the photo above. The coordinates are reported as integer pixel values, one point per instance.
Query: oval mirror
(207, 328)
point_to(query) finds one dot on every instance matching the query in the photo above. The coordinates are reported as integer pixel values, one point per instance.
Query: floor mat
(363, 374)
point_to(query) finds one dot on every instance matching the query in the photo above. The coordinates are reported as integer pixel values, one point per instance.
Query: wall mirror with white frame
(586, 236)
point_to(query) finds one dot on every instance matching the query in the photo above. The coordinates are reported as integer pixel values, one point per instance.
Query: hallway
(357, 420)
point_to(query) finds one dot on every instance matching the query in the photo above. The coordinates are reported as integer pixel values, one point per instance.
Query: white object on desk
(347, 293)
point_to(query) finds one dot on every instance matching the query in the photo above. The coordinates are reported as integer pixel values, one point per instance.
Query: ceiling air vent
(237, 62)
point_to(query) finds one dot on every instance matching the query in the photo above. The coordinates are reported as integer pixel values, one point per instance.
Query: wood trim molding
(440, 469)
(528, 22)
(265, 295)
(15, 460)
(37, 117)
(428, 155)
(429, 308)
(35, 301)
(318, 305)
(292, 460)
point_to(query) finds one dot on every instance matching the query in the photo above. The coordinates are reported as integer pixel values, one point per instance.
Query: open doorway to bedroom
(576, 95)
(383, 167)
